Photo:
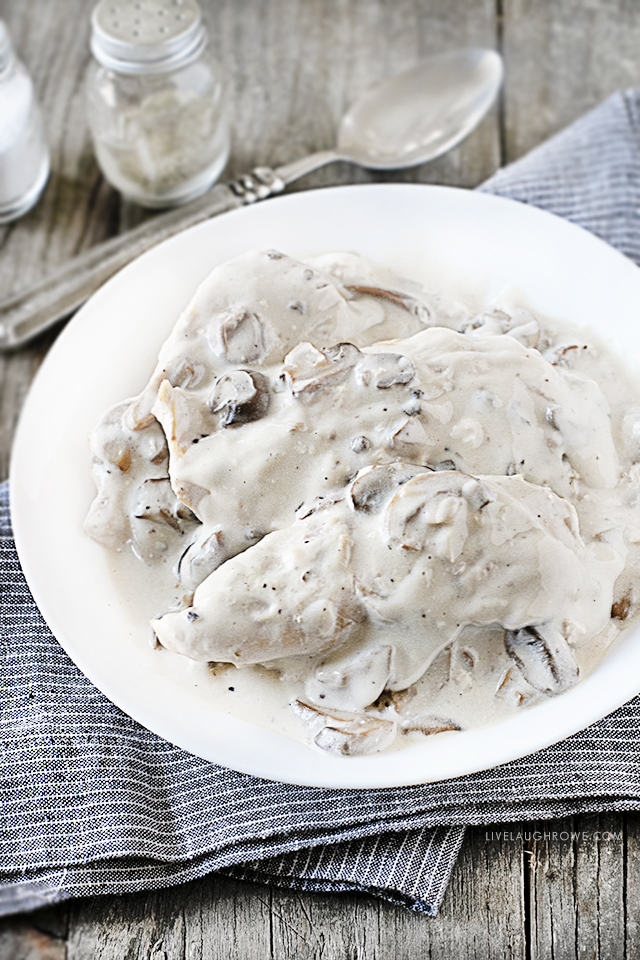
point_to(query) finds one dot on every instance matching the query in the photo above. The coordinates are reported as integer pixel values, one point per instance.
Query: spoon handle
(34, 309)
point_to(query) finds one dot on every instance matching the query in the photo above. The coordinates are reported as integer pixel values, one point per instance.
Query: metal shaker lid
(146, 36)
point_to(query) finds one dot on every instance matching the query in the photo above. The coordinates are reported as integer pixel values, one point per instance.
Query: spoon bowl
(421, 113)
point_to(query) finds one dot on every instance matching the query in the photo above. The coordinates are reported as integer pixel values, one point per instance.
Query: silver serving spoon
(409, 119)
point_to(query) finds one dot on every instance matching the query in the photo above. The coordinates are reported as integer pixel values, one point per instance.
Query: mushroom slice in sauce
(383, 370)
(621, 606)
(238, 336)
(361, 736)
(240, 397)
(430, 505)
(563, 354)
(157, 503)
(201, 558)
(307, 369)
(413, 306)
(158, 519)
(184, 417)
(187, 373)
(514, 689)
(346, 735)
(543, 656)
(518, 323)
(351, 682)
(373, 486)
(428, 725)
(122, 457)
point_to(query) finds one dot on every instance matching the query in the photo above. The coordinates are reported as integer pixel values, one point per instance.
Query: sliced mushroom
(202, 557)
(428, 725)
(439, 671)
(115, 443)
(156, 502)
(158, 519)
(413, 407)
(373, 486)
(184, 417)
(316, 718)
(307, 369)
(543, 656)
(186, 372)
(415, 307)
(241, 396)
(343, 355)
(563, 354)
(351, 682)
(346, 735)
(383, 370)
(519, 324)
(514, 689)
(445, 465)
(476, 494)
(463, 661)
(238, 336)
(620, 607)
(406, 430)
(361, 736)
(395, 699)
(137, 416)
(429, 506)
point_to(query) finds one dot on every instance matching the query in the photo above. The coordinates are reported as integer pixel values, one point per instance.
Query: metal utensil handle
(30, 311)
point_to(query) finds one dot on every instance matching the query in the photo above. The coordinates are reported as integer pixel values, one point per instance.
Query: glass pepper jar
(24, 158)
(155, 101)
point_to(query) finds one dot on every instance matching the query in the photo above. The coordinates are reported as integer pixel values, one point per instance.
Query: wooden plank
(203, 920)
(562, 59)
(631, 824)
(577, 888)
(483, 914)
(220, 919)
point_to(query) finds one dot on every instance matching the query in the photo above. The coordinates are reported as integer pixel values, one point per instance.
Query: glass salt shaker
(24, 158)
(155, 101)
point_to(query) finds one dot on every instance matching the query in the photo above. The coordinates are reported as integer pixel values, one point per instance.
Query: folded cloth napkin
(94, 803)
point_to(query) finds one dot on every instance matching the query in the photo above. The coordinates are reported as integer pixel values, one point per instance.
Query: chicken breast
(404, 562)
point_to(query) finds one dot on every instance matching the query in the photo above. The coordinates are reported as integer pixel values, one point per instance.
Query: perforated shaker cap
(146, 36)
(5, 46)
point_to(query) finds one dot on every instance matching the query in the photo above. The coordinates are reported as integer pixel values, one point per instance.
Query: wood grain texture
(577, 888)
(562, 59)
(293, 67)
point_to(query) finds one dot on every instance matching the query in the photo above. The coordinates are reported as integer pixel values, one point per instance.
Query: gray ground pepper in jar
(155, 103)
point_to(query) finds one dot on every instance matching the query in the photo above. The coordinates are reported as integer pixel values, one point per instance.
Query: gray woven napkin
(93, 803)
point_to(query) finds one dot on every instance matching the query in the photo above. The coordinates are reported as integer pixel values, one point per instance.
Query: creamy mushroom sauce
(363, 513)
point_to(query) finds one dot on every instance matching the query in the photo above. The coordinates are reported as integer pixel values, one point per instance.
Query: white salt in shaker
(24, 159)
(155, 101)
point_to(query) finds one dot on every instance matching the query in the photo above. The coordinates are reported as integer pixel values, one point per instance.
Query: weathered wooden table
(293, 66)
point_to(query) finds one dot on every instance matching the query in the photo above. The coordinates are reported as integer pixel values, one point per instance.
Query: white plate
(109, 349)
